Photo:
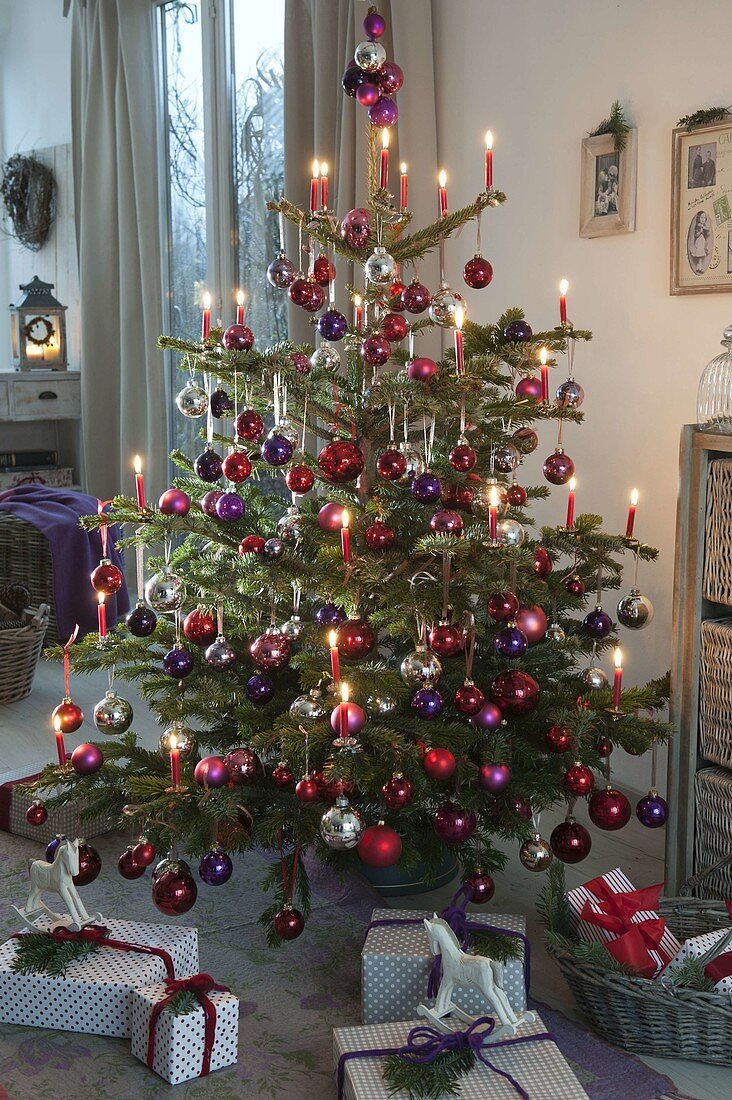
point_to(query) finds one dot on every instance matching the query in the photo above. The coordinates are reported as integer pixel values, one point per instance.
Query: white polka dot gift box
(181, 1046)
(712, 948)
(537, 1066)
(396, 962)
(95, 995)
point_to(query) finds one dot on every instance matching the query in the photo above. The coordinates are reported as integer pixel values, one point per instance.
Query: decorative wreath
(28, 190)
(43, 341)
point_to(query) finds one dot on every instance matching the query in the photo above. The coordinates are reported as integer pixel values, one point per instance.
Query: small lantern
(38, 327)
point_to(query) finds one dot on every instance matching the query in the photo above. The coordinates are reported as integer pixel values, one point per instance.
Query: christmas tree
(395, 664)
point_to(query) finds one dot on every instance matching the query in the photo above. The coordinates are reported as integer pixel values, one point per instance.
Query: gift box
(62, 819)
(95, 995)
(609, 910)
(396, 962)
(538, 1067)
(193, 1044)
(719, 966)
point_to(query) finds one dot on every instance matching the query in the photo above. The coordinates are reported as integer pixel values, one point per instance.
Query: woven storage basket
(26, 556)
(715, 691)
(717, 579)
(20, 648)
(650, 1017)
(713, 840)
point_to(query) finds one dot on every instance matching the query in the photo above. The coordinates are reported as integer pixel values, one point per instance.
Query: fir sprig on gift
(496, 946)
(690, 975)
(40, 953)
(430, 1080)
(182, 1003)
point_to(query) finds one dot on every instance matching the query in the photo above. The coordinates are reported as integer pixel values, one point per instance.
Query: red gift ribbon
(200, 985)
(97, 933)
(633, 941)
(719, 968)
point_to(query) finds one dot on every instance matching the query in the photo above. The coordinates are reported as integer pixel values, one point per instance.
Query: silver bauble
(506, 457)
(112, 714)
(594, 678)
(281, 272)
(482, 499)
(380, 268)
(308, 708)
(510, 532)
(341, 827)
(326, 357)
(286, 428)
(290, 526)
(164, 590)
(555, 633)
(635, 610)
(535, 854)
(185, 740)
(570, 394)
(380, 706)
(220, 654)
(169, 864)
(192, 400)
(369, 56)
(293, 628)
(443, 306)
(420, 667)
(415, 463)
(274, 548)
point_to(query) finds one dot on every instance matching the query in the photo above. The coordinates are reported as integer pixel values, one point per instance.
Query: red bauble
(604, 746)
(90, 864)
(446, 639)
(394, 327)
(175, 891)
(529, 388)
(355, 639)
(395, 296)
(521, 806)
(36, 814)
(288, 923)
(454, 824)
(324, 271)
(516, 495)
(87, 758)
(570, 841)
(307, 789)
(457, 496)
(558, 468)
(143, 853)
(503, 606)
(533, 622)
(439, 764)
(609, 809)
(481, 887)
(391, 464)
(477, 272)
(107, 578)
(398, 792)
(238, 338)
(316, 299)
(67, 716)
(243, 766)
(422, 369)
(574, 586)
(236, 466)
(578, 779)
(380, 846)
(270, 650)
(300, 291)
(558, 739)
(128, 866)
(330, 517)
(299, 479)
(462, 458)
(251, 544)
(543, 564)
(376, 350)
(199, 625)
(250, 426)
(515, 692)
(341, 460)
(378, 536)
(469, 698)
(282, 775)
(416, 297)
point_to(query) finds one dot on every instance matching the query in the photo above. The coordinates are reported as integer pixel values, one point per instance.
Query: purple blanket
(55, 514)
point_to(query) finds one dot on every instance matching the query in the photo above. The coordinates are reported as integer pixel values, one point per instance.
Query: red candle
(459, 357)
(544, 371)
(384, 163)
(60, 747)
(631, 514)
(174, 761)
(357, 312)
(139, 482)
(345, 537)
(570, 503)
(563, 288)
(493, 513)
(403, 184)
(343, 713)
(240, 307)
(488, 160)
(442, 193)
(314, 187)
(206, 318)
(324, 186)
(102, 615)
(335, 664)
(618, 681)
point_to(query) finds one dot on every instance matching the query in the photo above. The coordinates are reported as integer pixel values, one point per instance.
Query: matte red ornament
(175, 892)
(299, 479)
(87, 759)
(533, 622)
(609, 809)
(324, 271)
(391, 464)
(68, 716)
(394, 327)
(199, 626)
(574, 586)
(416, 297)
(469, 698)
(477, 272)
(330, 516)
(446, 639)
(422, 369)
(378, 536)
(251, 544)
(341, 460)
(516, 495)
(376, 350)
(578, 779)
(250, 426)
(288, 923)
(36, 814)
(481, 887)
(454, 824)
(380, 846)
(515, 692)
(283, 775)
(503, 606)
(462, 458)
(237, 466)
(270, 650)
(90, 864)
(558, 739)
(542, 562)
(143, 853)
(307, 789)
(107, 578)
(128, 866)
(439, 764)
(354, 639)
(570, 841)
(398, 792)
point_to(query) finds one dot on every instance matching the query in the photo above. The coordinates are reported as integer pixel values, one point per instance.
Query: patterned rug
(290, 998)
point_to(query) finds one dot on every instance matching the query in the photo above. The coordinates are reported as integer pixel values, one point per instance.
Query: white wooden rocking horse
(58, 878)
(479, 971)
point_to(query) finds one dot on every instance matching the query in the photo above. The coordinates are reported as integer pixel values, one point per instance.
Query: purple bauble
(494, 777)
(208, 465)
(332, 325)
(511, 643)
(174, 502)
(652, 810)
(178, 662)
(367, 93)
(356, 718)
(427, 703)
(489, 717)
(453, 823)
(390, 77)
(374, 24)
(422, 369)
(597, 623)
(215, 867)
(277, 450)
(517, 331)
(141, 621)
(384, 112)
(446, 522)
(426, 488)
(260, 688)
(352, 79)
(558, 468)
(239, 337)
(87, 759)
(480, 886)
(281, 272)
(243, 765)
(529, 388)
(230, 507)
(221, 404)
(51, 848)
(211, 772)
(330, 615)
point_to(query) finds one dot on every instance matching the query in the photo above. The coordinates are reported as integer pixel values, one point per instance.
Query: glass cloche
(714, 400)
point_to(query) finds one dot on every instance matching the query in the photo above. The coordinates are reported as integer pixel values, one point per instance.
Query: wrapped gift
(609, 910)
(95, 994)
(397, 964)
(714, 949)
(61, 819)
(181, 1046)
(538, 1067)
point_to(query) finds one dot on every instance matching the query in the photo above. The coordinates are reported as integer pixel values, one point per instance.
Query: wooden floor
(27, 742)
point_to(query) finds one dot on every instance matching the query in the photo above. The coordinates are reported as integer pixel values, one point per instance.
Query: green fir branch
(705, 116)
(428, 1080)
(616, 124)
(40, 953)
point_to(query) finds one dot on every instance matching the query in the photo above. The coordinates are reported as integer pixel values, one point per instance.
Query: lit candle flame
(324, 170)
(459, 317)
(240, 297)
(572, 484)
(345, 518)
(489, 139)
(173, 742)
(207, 300)
(543, 356)
(634, 497)
(137, 463)
(316, 169)
(618, 657)
(385, 138)
(101, 599)
(442, 178)
(57, 724)
(564, 287)
(357, 300)
(344, 692)
(332, 639)
(403, 168)
(493, 496)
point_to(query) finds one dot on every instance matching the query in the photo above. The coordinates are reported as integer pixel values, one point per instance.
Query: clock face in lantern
(38, 327)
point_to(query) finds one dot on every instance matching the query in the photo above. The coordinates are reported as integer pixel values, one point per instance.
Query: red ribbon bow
(200, 985)
(614, 912)
(97, 933)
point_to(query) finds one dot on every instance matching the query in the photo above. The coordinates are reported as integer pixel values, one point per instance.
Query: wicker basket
(25, 555)
(20, 648)
(648, 1017)
(713, 840)
(717, 579)
(715, 692)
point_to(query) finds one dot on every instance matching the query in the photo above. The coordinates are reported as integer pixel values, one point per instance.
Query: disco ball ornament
(570, 841)
(236, 466)
(426, 488)
(251, 544)
(106, 578)
(391, 464)
(273, 549)
(635, 610)
(518, 331)
(446, 639)
(178, 663)
(355, 639)
(597, 623)
(221, 404)
(529, 388)
(477, 272)
(555, 633)
(574, 586)
(532, 621)
(494, 777)
(420, 667)
(384, 112)
(356, 228)
(609, 809)
(394, 327)
(309, 707)
(90, 864)
(332, 325)
(480, 887)
(307, 789)
(341, 827)
(128, 866)
(36, 814)
(355, 718)
(510, 532)
(277, 450)
(422, 369)
(503, 606)
(211, 771)
(515, 692)
(579, 780)
(290, 526)
(215, 867)
(397, 792)
(469, 699)
(179, 736)
(199, 627)
(293, 628)
(259, 688)
(164, 590)
(329, 615)
(416, 297)
(489, 717)
(454, 824)
(380, 705)
(570, 394)
(282, 775)
(652, 810)
(535, 854)
(462, 457)
(209, 501)
(281, 272)
(86, 759)
(270, 650)
(558, 738)
(299, 479)
(220, 654)
(369, 56)
(208, 466)
(141, 621)
(341, 460)
(378, 536)
(192, 401)
(594, 678)
(558, 468)
(174, 892)
(376, 350)
(380, 268)
(439, 764)
(510, 642)
(68, 716)
(288, 922)
(427, 703)
(443, 306)
(112, 714)
(526, 440)
(250, 426)
(243, 766)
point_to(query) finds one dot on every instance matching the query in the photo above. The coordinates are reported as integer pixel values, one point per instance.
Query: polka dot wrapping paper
(700, 945)
(95, 996)
(396, 963)
(179, 1040)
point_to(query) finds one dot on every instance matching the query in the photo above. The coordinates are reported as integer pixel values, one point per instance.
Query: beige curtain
(115, 146)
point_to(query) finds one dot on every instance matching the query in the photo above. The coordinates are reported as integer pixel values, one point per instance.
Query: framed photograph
(701, 209)
(607, 185)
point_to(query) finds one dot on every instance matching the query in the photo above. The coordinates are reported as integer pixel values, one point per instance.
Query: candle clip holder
(175, 790)
(562, 529)
(103, 642)
(616, 713)
(348, 744)
(631, 541)
(492, 544)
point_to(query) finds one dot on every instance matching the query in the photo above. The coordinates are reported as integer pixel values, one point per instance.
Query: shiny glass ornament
(86, 759)
(271, 650)
(510, 532)
(367, 93)
(286, 428)
(391, 464)
(532, 621)
(390, 77)
(394, 327)
(329, 615)
(570, 394)
(506, 457)
(106, 578)
(446, 639)
(90, 865)
(299, 479)
(443, 306)
(529, 388)
(341, 827)
(574, 586)
(112, 714)
(251, 544)
(355, 639)
(597, 622)
(288, 922)
(420, 667)
(381, 705)
(510, 642)
(281, 272)
(220, 654)
(352, 80)
(570, 841)
(378, 536)
(422, 369)
(273, 549)
(237, 466)
(426, 487)
(380, 846)
(558, 468)
(141, 621)
(36, 814)
(446, 522)
(502, 606)
(174, 502)
(480, 887)
(250, 426)
(208, 465)
(462, 457)
(215, 867)
(211, 772)
(558, 738)
(494, 777)
(369, 56)
(609, 809)
(290, 527)
(384, 112)
(489, 717)
(527, 441)
(416, 297)
(164, 591)
(282, 775)
(578, 779)
(635, 610)
(326, 357)
(515, 692)
(341, 460)
(356, 228)
(277, 450)
(380, 268)
(243, 766)
(535, 854)
(221, 404)
(68, 716)
(469, 699)
(555, 633)
(259, 688)
(453, 823)
(178, 662)
(477, 272)
(714, 398)
(397, 792)
(652, 810)
(293, 628)
(594, 678)
(427, 703)
(376, 350)
(230, 507)
(518, 331)
(174, 892)
(199, 627)
(192, 401)
(332, 325)
(128, 866)
(309, 707)
(184, 738)
(415, 463)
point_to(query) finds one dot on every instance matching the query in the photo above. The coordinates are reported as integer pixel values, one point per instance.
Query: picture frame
(701, 209)
(608, 182)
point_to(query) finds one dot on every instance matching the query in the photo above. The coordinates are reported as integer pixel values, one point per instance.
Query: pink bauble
(330, 517)
(529, 387)
(367, 94)
(489, 717)
(494, 777)
(422, 369)
(446, 522)
(211, 772)
(86, 759)
(356, 228)
(454, 824)
(356, 718)
(533, 622)
(174, 502)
